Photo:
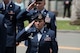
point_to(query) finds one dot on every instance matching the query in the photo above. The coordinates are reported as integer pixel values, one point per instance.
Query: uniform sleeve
(54, 44)
(22, 15)
(21, 36)
(53, 24)
(2, 32)
(20, 24)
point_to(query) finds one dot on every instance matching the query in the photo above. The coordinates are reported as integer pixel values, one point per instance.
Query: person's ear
(44, 2)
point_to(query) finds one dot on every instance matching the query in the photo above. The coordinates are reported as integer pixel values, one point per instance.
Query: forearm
(21, 36)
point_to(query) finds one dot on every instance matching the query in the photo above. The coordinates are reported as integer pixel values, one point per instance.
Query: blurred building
(75, 14)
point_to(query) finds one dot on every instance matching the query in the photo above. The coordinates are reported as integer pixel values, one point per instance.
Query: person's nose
(38, 23)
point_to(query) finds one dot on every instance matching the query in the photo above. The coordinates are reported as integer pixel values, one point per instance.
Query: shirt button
(36, 52)
(37, 43)
(37, 48)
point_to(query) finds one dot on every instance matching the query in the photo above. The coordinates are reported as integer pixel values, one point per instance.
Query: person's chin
(37, 27)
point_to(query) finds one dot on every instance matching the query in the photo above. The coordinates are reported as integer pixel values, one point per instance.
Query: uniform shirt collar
(42, 30)
(41, 10)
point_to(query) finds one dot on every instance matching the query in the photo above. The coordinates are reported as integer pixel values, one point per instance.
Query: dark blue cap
(39, 16)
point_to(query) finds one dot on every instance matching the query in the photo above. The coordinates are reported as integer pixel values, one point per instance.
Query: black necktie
(38, 31)
(39, 11)
(5, 6)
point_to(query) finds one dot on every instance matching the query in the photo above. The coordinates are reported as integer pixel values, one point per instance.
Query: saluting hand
(31, 6)
(26, 28)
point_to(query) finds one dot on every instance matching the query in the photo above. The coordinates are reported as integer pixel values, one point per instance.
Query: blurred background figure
(20, 3)
(67, 8)
(10, 11)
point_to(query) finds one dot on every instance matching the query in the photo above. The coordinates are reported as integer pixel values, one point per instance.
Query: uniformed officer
(2, 34)
(6, 6)
(10, 10)
(39, 37)
(29, 13)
